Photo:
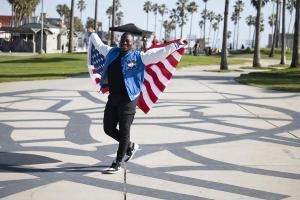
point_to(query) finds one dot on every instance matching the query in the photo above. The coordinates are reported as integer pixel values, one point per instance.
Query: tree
(296, 47)
(256, 57)
(204, 18)
(201, 24)
(162, 9)
(168, 26)
(78, 26)
(224, 64)
(90, 23)
(275, 35)
(239, 8)
(283, 38)
(250, 21)
(211, 17)
(22, 10)
(291, 4)
(218, 19)
(81, 5)
(155, 11)
(71, 27)
(147, 8)
(191, 8)
(234, 18)
(119, 16)
(63, 10)
(181, 7)
(174, 16)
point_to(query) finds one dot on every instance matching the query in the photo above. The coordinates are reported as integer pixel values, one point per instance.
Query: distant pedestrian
(62, 48)
(154, 41)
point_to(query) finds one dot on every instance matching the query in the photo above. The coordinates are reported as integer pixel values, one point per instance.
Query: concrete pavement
(207, 138)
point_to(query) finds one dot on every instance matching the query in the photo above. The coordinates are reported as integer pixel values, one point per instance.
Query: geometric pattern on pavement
(198, 142)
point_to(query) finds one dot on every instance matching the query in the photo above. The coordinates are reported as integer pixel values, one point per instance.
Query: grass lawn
(278, 79)
(55, 66)
(40, 67)
(264, 53)
(188, 60)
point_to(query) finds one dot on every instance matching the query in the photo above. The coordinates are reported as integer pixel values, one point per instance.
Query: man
(123, 74)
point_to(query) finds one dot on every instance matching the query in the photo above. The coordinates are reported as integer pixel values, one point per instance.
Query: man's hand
(182, 42)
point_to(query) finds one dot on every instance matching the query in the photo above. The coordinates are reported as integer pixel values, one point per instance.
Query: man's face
(126, 43)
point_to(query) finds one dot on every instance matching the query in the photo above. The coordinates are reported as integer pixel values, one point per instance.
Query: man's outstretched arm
(99, 45)
(157, 54)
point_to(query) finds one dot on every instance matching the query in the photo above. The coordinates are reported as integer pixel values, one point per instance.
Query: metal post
(42, 29)
(96, 13)
(113, 22)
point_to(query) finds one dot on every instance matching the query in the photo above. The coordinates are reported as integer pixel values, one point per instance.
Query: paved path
(207, 138)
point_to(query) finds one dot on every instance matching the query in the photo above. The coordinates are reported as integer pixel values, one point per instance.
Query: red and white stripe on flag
(156, 79)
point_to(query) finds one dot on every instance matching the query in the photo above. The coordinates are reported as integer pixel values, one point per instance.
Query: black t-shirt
(116, 79)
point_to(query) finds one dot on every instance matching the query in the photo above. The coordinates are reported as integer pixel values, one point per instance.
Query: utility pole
(113, 22)
(42, 29)
(96, 13)
(71, 28)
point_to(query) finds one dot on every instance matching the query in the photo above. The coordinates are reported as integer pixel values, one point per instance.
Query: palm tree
(147, 8)
(275, 36)
(22, 10)
(291, 4)
(71, 27)
(211, 17)
(191, 8)
(12, 12)
(271, 21)
(201, 23)
(250, 21)
(224, 64)
(63, 11)
(256, 57)
(239, 8)
(155, 11)
(204, 18)
(296, 48)
(218, 19)
(283, 38)
(162, 9)
(119, 16)
(234, 18)
(174, 16)
(181, 7)
(81, 5)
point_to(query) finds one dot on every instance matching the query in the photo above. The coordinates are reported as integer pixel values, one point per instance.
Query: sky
(133, 13)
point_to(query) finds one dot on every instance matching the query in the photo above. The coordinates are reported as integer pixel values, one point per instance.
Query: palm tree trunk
(190, 29)
(296, 48)
(256, 57)
(233, 40)
(250, 35)
(275, 31)
(113, 22)
(283, 38)
(237, 34)
(224, 64)
(147, 21)
(155, 25)
(205, 12)
(216, 45)
(161, 27)
(290, 22)
(71, 28)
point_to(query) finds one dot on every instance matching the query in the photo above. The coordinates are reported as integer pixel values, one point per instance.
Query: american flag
(157, 75)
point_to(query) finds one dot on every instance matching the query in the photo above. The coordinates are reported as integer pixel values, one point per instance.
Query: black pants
(119, 111)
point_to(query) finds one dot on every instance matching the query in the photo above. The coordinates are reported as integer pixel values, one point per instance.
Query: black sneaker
(114, 168)
(131, 152)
